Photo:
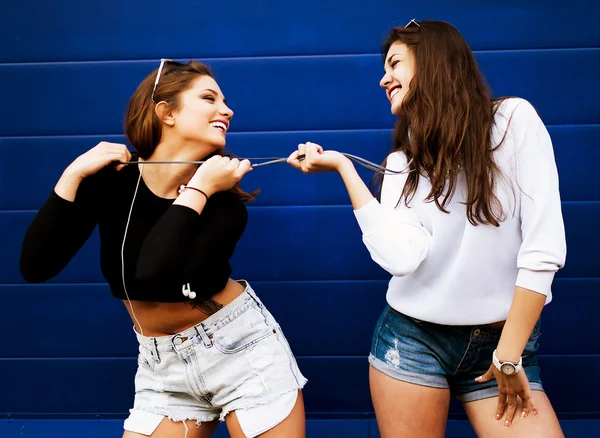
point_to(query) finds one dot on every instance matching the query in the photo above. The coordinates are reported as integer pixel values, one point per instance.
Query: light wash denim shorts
(444, 356)
(235, 360)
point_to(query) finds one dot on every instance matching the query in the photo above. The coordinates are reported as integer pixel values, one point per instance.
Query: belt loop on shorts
(205, 338)
(154, 350)
(253, 295)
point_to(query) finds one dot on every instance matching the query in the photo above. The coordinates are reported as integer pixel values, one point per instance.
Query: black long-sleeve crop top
(166, 248)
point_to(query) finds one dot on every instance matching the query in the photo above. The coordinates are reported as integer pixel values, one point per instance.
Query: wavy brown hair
(142, 126)
(446, 119)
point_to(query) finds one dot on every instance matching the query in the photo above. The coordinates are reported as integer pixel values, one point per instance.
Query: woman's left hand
(311, 158)
(510, 389)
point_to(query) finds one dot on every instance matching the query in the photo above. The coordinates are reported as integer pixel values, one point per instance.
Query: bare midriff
(163, 319)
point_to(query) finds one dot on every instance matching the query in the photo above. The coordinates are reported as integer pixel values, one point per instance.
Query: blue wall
(293, 72)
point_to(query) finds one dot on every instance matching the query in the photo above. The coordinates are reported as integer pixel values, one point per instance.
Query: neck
(164, 179)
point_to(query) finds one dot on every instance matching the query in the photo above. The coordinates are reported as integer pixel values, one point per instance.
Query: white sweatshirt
(447, 271)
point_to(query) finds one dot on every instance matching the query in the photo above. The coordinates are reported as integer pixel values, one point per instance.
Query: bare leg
(176, 429)
(482, 414)
(294, 425)
(408, 410)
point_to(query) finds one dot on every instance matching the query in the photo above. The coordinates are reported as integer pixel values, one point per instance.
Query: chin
(396, 107)
(218, 143)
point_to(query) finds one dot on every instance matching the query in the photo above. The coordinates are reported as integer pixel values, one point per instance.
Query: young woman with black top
(208, 348)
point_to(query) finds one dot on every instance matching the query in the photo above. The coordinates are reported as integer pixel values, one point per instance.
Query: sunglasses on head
(163, 61)
(412, 22)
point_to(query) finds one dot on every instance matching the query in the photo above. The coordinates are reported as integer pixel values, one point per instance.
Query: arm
(359, 193)
(394, 237)
(525, 310)
(66, 220)
(60, 228)
(167, 246)
(219, 232)
(171, 242)
(543, 250)
(542, 253)
(185, 247)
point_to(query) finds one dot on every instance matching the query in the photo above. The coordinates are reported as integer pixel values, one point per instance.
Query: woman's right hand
(312, 158)
(99, 157)
(219, 174)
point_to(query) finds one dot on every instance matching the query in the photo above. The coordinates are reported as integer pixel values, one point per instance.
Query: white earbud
(188, 292)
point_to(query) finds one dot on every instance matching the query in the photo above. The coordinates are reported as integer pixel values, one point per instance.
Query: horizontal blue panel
(314, 428)
(463, 429)
(340, 428)
(335, 385)
(577, 153)
(279, 94)
(280, 184)
(85, 266)
(577, 150)
(87, 321)
(37, 30)
(568, 321)
(557, 387)
(454, 429)
(106, 385)
(299, 243)
(76, 428)
(581, 221)
(114, 428)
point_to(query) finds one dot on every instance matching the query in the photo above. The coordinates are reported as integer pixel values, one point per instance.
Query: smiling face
(399, 70)
(202, 115)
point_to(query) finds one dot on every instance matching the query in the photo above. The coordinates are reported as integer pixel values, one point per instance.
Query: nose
(385, 81)
(226, 112)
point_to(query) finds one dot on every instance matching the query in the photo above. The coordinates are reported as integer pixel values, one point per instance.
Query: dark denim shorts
(442, 356)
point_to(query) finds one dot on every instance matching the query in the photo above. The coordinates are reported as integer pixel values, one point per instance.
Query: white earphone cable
(123, 250)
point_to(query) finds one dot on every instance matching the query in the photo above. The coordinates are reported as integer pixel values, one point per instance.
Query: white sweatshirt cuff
(537, 281)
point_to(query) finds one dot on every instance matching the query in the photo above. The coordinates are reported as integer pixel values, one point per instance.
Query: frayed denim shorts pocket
(245, 330)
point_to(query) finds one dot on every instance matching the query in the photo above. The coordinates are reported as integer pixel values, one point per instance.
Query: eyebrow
(391, 56)
(214, 92)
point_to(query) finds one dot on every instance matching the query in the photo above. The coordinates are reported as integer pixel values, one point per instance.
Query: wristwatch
(507, 368)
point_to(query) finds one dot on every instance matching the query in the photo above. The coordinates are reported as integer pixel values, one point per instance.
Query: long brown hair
(446, 120)
(142, 126)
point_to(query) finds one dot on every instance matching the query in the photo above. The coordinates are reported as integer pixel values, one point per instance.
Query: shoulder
(109, 186)
(518, 111)
(99, 182)
(396, 161)
(515, 121)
